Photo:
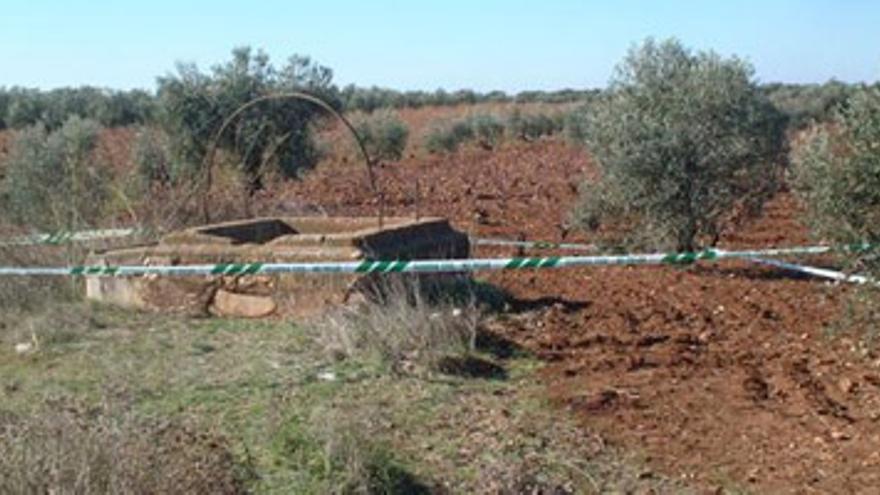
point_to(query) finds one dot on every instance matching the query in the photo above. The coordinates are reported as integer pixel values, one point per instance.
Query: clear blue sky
(510, 45)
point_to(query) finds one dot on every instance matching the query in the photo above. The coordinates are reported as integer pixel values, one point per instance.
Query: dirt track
(717, 373)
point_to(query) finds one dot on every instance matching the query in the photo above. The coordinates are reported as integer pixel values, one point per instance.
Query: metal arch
(208, 162)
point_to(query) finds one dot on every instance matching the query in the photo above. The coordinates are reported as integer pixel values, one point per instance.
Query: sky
(511, 45)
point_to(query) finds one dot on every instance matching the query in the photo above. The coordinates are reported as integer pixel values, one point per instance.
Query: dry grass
(402, 326)
(73, 450)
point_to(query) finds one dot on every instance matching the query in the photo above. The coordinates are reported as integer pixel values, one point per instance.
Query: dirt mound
(717, 373)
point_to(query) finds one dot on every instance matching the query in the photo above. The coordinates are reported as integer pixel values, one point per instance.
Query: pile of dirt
(720, 374)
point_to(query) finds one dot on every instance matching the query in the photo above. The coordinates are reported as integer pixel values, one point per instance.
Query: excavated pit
(272, 240)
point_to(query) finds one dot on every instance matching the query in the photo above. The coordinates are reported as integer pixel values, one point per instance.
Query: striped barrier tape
(803, 250)
(412, 266)
(62, 237)
(816, 272)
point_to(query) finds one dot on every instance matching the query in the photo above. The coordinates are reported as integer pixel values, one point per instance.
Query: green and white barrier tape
(414, 266)
(63, 237)
(816, 272)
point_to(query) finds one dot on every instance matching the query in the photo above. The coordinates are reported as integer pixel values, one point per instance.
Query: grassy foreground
(211, 405)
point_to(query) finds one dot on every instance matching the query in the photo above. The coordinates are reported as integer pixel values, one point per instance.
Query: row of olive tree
(20, 107)
(488, 129)
(374, 98)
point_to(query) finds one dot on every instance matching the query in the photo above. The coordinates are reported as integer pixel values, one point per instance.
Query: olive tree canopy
(684, 141)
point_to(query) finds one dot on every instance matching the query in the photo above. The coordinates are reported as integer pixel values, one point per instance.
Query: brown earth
(720, 374)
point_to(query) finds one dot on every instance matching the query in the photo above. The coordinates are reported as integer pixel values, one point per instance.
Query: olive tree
(836, 171)
(681, 140)
(54, 179)
(194, 105)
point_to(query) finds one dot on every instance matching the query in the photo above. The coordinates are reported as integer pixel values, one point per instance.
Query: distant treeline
(803, 103)
(374, 98)
(22, 107)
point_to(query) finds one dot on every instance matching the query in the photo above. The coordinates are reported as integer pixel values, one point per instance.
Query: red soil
(719, 373)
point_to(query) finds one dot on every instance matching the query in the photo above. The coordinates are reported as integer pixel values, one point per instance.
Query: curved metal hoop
(208, 162)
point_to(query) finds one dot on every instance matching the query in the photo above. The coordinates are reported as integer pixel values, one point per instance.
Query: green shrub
(680, 138)
(836, 170)
(488, 129)
(54, 180)
(384, 135)
(448, 136)
(195, 104)
(532, 126)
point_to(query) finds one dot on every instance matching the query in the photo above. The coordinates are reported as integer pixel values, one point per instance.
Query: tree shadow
(395, 480)
(470, 366)
(498, 345)
(526, 305)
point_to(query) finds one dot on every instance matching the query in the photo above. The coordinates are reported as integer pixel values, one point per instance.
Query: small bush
(384, 135)
(488, 129)
(70, 449)
(448, 136)
(683, 141)
(532, 126)
(402, 325)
